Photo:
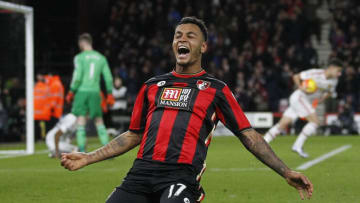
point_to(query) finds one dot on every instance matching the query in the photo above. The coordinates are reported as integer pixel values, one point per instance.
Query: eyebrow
(191, 32)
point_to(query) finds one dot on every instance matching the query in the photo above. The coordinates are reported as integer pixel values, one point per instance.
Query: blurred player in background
(301, 102)
(89, 66)
(58, 139)
(172, 121)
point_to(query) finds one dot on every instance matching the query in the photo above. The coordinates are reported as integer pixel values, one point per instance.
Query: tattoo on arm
(115, 147)
(254, 142)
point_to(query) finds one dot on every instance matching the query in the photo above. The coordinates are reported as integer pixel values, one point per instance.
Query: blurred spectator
(346, 114)
(116, 122)
(119, 93)
(42, 106)
(244, 36)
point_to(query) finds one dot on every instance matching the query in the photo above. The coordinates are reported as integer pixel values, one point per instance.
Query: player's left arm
(107, 77)
(231, 114)
(255, 143)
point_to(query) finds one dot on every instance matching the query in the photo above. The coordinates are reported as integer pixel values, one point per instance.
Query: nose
(183, 38)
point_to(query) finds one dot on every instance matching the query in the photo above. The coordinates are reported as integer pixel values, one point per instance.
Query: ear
(203, 47)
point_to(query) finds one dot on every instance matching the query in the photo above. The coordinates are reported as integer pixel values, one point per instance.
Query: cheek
(173, 45)
(197, 49)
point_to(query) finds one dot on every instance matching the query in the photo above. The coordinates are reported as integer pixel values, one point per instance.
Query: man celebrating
(325, 81)
(89, 66)
(173, 120)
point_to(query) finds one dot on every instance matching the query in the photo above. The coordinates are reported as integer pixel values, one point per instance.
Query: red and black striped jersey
(177, 114)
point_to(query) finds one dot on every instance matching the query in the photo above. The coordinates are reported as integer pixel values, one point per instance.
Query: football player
(58, 139)
(300, 104)
(85, 90)
(173, 119)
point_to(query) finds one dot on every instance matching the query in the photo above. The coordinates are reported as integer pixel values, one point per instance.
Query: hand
(69, 97)
(300, 182)
(110, 99)
(74, 161)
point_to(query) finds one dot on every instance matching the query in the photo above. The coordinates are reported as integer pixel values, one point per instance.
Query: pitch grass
(233, 175)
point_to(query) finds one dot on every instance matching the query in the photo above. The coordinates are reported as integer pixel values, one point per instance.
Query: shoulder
(100, 55)
(214, 82)
(78, 56)
(313, 71)
(158, 78)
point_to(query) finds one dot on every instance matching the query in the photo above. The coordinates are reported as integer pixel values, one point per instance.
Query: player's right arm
(119, 145)
(297, 80)
(77, 75)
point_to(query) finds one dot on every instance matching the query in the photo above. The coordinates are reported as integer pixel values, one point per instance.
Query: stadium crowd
(254, 46)
(250, 43)
(346, 46)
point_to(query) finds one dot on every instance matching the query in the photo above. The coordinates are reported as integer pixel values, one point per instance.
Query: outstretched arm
(119, 145)
(254, 142)
(57, 140)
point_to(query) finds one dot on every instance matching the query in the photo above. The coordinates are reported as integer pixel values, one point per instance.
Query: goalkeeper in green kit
(85, 90)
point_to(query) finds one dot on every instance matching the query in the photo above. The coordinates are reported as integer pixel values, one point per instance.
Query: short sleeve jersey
(89, 66)
(323, 84)
(178, 113)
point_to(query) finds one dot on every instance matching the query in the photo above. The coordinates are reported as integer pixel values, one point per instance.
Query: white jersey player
(58, 139)
(300, 104)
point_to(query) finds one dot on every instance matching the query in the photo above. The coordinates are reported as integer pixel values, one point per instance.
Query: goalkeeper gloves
(110, 99)
(69, 97)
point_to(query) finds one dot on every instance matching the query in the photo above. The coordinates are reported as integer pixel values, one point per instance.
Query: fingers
(300, 190)
(308, 186)
(66, 162)
(301, 183)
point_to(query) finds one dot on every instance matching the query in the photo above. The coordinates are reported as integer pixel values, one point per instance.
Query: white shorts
(299, 106)
(64, 145)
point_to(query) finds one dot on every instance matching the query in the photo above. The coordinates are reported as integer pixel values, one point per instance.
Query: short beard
(185, 65)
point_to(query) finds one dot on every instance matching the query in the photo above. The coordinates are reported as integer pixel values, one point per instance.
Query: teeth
(183, 49)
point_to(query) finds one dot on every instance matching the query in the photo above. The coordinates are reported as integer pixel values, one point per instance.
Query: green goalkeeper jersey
(89, 65)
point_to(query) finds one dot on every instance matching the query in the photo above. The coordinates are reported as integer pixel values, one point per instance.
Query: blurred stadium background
(255, 46)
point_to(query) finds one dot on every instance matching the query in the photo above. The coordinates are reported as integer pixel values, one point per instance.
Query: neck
(88, 48)
(190, 69)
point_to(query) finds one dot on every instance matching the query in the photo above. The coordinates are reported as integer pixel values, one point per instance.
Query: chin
(183, 63)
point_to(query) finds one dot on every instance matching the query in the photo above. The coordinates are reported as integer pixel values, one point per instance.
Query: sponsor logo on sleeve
(176, 98)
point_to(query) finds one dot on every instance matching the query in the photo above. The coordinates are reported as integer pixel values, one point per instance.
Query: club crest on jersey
(175, 97)
(202, 85)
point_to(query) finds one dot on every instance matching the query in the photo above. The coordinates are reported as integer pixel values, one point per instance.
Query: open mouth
(183, 50)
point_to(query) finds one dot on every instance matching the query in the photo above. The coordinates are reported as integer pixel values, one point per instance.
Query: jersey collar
(188, 75)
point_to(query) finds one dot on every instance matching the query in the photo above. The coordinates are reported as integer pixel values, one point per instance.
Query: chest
(324, 84)
(186, 96)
